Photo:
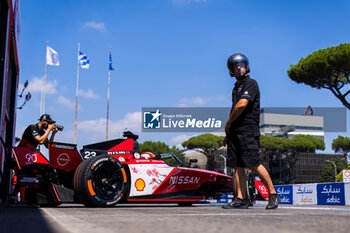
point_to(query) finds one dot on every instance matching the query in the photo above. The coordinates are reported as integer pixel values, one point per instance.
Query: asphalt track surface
(161, 218)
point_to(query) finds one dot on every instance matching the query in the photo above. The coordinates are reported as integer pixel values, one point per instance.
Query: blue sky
(168, 53)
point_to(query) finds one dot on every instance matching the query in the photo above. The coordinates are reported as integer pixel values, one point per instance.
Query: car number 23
(89, 154)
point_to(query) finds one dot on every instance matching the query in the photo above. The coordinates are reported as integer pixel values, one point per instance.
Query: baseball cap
(47, 118)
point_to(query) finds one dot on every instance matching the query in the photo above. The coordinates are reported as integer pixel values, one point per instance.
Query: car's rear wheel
(100, 182)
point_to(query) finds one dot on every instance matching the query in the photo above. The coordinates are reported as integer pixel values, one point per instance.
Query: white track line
(300, 207)
(314, 208)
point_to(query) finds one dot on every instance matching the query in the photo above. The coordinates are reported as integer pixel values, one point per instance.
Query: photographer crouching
(38, 133)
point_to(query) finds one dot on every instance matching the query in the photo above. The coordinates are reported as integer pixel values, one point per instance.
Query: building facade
(285, 167)
(289, 125)
(10, 28)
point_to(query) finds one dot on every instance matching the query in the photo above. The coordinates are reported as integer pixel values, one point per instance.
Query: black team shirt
(28, 136)
(248, 121)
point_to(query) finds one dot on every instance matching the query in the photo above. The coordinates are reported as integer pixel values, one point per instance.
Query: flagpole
(41, 97)
(76, 99)
(109, 85)
(44, 99)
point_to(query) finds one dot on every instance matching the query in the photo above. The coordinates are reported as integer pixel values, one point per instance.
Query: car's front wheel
(100, 182)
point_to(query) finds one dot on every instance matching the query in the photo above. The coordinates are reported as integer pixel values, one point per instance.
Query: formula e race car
(110, 172)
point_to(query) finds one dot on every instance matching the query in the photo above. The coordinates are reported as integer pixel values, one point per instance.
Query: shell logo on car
(140, 184)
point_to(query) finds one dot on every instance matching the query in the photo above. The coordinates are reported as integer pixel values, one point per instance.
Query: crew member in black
(242, 134)
(38, 133)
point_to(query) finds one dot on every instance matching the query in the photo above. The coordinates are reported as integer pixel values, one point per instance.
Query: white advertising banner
(346, 176)
(305, 194)
(347, 193)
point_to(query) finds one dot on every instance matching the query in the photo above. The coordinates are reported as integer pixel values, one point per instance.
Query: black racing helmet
(236, 59)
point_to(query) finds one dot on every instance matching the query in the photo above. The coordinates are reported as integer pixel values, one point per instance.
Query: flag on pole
(52, 57)
(110, 62)
(84, 61)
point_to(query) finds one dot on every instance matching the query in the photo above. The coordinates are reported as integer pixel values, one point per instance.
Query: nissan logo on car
(63, 159)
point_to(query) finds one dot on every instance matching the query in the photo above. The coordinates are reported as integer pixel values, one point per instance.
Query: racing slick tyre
(100, 182)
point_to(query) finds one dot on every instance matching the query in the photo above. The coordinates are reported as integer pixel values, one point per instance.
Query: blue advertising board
(223, 199)
(330, 194)
(286, 193)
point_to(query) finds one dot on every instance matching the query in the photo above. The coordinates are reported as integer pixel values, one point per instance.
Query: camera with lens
(59, 127)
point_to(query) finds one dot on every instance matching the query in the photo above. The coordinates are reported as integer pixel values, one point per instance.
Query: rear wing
(115, 148)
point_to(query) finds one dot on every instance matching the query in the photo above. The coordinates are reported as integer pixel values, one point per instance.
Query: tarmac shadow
(15, 219)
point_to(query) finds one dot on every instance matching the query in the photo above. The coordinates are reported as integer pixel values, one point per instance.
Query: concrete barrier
(320, 194)
(347, 193)
(307, 194)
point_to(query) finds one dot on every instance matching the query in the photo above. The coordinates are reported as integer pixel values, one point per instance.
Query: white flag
(52, 57)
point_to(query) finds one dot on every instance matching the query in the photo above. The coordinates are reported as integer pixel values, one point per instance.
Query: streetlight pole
(225, 168)
(335, 169)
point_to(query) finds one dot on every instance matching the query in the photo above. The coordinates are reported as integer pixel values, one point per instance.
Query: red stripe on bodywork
(14, 153)
(56, 193)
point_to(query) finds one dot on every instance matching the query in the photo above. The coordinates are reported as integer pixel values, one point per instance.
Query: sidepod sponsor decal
(140, 184)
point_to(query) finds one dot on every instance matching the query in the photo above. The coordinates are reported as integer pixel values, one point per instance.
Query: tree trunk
(338, 95)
